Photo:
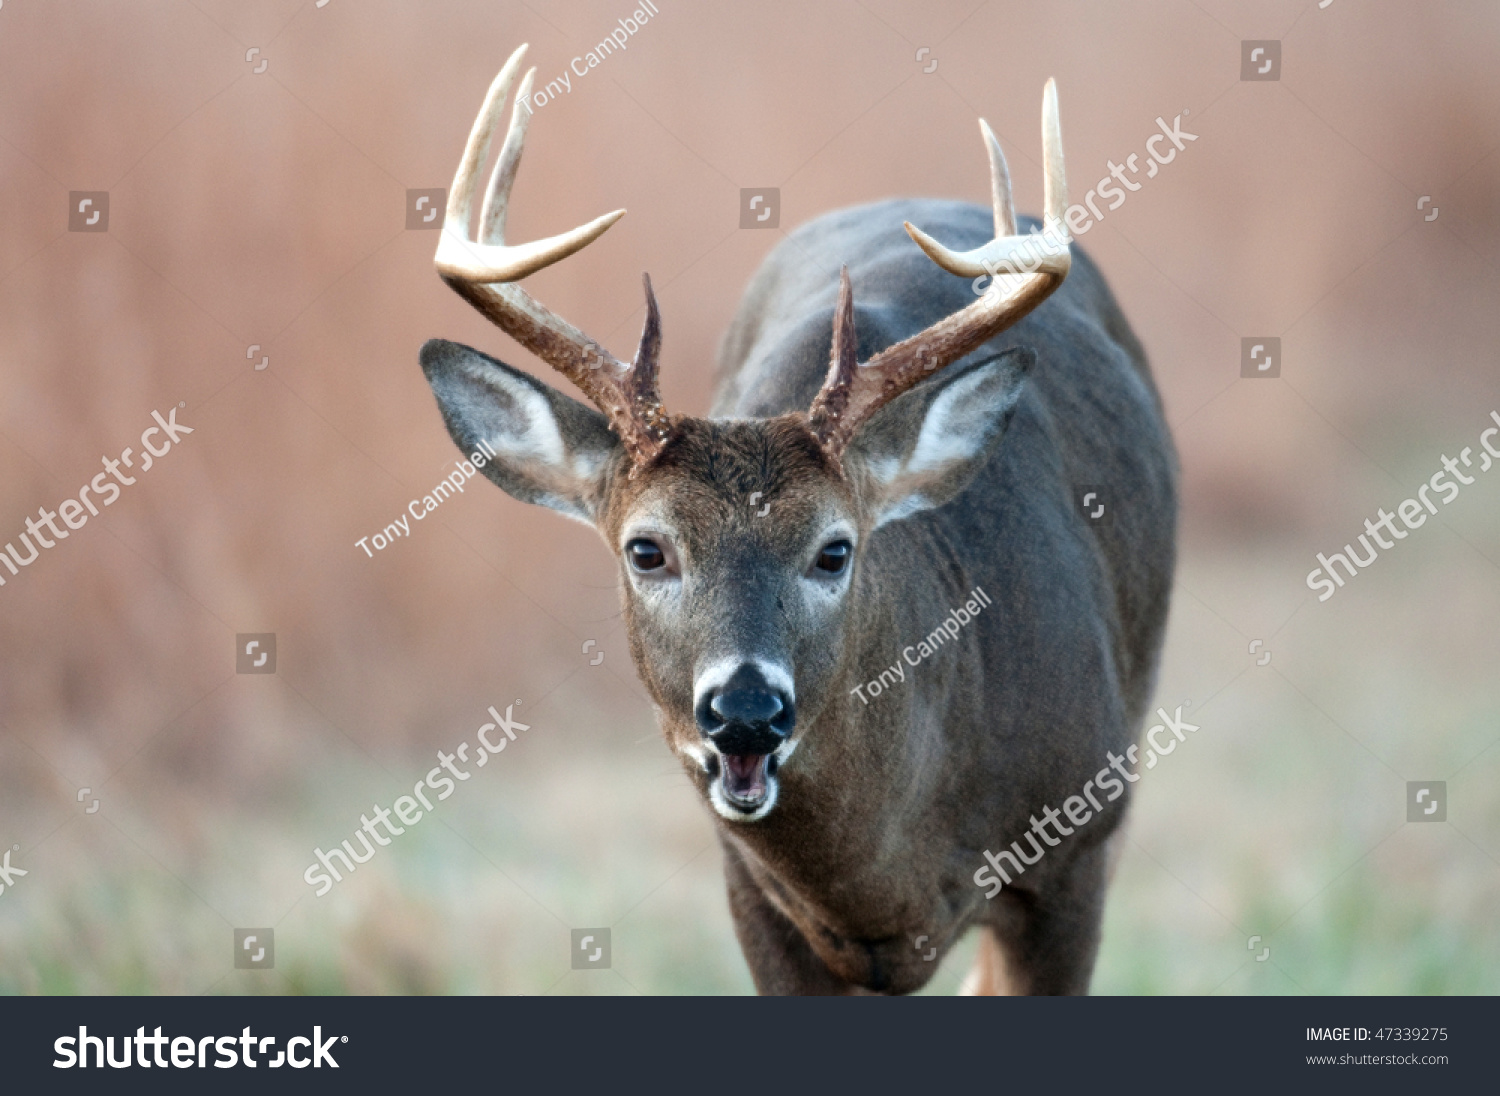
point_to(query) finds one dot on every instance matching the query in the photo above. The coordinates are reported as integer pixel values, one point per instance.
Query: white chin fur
(716, 791)
(734, 814)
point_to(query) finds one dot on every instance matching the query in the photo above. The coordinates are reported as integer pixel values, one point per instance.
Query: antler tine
(845, 344)
(1034, 266)
(832, 403)
(483, 271)
(492, 261)
(1000, 199)
(641, 380)
(497, 200)
(1056, 181)
(477, 149)
(1008, 252)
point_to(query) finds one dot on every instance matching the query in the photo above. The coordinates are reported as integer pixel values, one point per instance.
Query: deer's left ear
(923, 448)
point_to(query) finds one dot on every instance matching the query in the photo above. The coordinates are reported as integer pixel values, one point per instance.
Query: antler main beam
(1024, 270)
(483, 271)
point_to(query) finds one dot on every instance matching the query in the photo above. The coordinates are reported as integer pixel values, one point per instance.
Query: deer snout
(746, 715)
(745, 709)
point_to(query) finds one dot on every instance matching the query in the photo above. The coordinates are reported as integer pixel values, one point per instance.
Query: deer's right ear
(550, 449)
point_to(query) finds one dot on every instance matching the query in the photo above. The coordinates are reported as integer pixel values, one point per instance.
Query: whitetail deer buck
(932, 457)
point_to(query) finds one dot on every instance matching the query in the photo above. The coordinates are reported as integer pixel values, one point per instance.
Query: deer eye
(645, 555)
(834, 558)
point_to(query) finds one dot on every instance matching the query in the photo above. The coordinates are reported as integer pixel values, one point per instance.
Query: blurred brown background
(268, 208)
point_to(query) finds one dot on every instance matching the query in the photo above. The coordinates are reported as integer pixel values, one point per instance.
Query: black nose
(746, 715)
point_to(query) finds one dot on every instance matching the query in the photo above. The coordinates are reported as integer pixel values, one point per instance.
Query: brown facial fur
(701, 487)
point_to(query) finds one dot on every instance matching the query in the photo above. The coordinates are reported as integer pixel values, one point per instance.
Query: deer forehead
(767, 480)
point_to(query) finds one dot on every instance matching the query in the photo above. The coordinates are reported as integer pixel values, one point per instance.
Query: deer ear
(921, 449)
(549, 449)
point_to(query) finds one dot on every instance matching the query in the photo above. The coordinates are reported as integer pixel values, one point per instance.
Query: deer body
(902, 794)
(774, 558)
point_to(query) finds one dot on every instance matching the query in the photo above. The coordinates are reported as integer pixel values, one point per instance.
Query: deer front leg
(1052, 947)
(779, 958)
(991, 976)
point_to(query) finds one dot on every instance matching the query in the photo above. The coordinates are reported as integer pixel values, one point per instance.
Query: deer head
(736, 612)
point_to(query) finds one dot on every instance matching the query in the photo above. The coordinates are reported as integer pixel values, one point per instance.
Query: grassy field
(1274, 820)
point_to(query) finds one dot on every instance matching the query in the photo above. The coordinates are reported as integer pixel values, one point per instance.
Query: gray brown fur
(1022, 711)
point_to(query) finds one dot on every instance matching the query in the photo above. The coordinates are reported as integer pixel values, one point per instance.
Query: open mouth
(745, 779)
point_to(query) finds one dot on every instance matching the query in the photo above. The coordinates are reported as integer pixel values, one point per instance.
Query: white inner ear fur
(533, 435)
(955, 429)
(533, 441)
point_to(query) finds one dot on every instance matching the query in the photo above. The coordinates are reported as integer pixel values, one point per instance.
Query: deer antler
(484, 271)
(1024, 271)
